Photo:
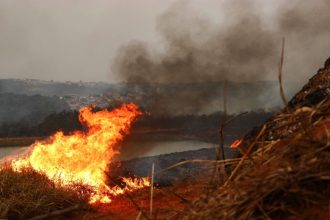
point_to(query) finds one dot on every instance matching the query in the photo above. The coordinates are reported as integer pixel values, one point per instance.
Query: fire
(236, 143)
(84, 156)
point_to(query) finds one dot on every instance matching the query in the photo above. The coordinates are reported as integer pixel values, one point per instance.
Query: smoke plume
(244, 47)
(196, 51)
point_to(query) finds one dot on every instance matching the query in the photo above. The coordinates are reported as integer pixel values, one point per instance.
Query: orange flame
(84, 156)
(236, 143)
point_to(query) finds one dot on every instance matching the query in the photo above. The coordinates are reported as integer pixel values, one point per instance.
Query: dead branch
(280, 70)
(152, 188)
(227, 161)
(245, 156)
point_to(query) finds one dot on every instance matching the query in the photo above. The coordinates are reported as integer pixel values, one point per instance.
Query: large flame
(84, 156)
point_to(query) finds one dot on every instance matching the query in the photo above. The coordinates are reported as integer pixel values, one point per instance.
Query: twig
(263, 211)
(162, 190)
(152, 188)
(234, 117)
(245, 156)
(138, 216)
(280, 70)
(227, 161)
(223, 124)
(56, 213)
(220, 153)
(181, 197)
(136, 205)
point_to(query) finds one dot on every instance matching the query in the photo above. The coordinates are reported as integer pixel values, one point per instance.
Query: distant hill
(25, 104)
(202, 98)
(31, 109)
(50, 88)
(157, 98)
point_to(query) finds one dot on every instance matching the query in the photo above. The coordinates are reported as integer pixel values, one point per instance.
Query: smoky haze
(168, 42)
(70, 40)
(243, 48)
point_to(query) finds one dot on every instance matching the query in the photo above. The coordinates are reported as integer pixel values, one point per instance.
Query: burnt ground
(175, 189)
(141, 167)
(168, 202)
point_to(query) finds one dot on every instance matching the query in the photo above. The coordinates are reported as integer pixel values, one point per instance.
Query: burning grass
(28, 193)
(67, 172)
(84, 156)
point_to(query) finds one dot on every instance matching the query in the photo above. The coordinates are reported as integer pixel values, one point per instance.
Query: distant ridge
(50, 88)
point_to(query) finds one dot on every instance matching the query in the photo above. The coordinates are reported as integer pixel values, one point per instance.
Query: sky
(73, 40)
(70, 39)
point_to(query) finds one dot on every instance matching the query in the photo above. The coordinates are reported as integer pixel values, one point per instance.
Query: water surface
(12, 151)
(133, 149)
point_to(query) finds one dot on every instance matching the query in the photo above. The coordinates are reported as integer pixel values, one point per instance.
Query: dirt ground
(168, 202)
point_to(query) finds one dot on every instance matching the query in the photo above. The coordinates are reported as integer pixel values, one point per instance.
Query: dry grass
(27, 194)
(282, 179)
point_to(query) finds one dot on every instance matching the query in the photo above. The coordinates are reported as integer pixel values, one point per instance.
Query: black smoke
(244, 48)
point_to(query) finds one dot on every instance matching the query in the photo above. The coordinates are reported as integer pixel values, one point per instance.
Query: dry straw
(282, 178)
(284, 172)
(29, 194)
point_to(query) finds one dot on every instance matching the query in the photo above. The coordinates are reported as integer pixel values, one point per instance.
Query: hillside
(158, 98)
(29, 109)
(50, 88)
(284, 171)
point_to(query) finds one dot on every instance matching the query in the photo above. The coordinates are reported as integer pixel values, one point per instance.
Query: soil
(168, 202)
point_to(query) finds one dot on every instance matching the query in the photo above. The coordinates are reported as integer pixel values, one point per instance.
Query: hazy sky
(77, 39)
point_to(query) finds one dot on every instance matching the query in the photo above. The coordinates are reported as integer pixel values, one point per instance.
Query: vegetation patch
(28, 194)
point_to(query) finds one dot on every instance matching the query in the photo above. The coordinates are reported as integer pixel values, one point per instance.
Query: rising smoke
(244, 48)
(196, 51)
